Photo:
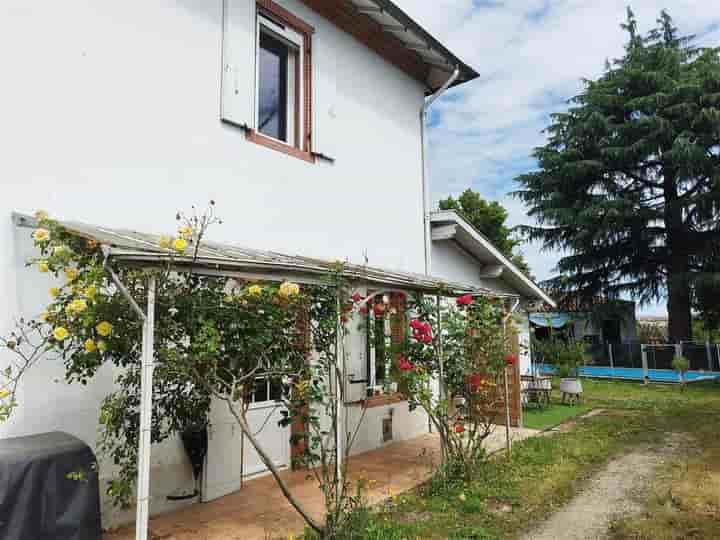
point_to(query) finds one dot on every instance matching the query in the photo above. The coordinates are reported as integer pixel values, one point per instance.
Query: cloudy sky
(531, 55)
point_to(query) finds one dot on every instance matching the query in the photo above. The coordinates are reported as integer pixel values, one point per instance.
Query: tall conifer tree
(629, 180)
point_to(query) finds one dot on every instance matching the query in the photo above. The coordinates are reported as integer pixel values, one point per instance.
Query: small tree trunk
(273, 470)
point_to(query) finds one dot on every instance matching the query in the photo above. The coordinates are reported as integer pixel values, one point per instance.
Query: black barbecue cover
(38, 498)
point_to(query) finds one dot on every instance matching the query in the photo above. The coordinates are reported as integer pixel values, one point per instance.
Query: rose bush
(470, 338)
(214, 339)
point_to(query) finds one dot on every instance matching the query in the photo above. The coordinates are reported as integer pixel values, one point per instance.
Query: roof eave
(452, 216)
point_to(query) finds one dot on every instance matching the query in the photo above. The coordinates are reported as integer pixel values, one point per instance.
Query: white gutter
(425, 164)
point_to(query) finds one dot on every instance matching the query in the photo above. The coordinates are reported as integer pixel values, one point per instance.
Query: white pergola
(136, 249)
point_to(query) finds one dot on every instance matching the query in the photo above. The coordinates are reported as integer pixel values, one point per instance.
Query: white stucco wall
(451, 262)
(110, 115)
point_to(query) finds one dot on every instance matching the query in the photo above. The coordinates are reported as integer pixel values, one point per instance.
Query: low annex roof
(143, 249)
(448, 224)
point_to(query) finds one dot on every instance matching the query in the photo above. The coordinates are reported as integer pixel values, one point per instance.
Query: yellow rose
(186, 231)
(4, 393)
(255, 290)
(90, 292)
(54, 292)
(45, 316)
(179, 244)
(76, 307)
(90, 346)
(60, 333)
(41, 215)
(59, 250)
(43, 267)
(288, 289)
(41, 235)
(104, 328)
(71, 274)
(101, 346)
(164, 242)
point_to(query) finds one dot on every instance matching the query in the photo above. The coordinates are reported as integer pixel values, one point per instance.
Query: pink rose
(464, 300)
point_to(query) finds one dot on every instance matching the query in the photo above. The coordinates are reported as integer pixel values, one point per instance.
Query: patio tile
(259, 511)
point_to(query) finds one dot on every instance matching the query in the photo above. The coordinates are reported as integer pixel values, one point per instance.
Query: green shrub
(681, 364)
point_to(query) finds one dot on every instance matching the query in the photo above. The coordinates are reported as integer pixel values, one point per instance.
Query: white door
(263, 417)
(229, 457)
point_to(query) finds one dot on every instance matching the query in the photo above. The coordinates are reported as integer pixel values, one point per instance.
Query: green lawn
(543, 473)
(551, 416)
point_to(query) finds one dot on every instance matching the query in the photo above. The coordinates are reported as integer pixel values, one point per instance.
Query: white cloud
(532, 55)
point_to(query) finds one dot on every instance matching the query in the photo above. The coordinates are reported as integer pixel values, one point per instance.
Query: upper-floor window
(282, 81)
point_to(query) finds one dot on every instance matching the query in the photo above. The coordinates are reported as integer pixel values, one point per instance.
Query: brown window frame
(304, 151)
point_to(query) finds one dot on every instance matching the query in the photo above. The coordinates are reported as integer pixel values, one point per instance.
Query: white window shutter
(325, 113)
(238, 76)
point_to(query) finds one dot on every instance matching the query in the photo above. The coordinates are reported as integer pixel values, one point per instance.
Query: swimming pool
(637, 374)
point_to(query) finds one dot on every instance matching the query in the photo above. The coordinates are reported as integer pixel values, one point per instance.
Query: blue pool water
(636, 374)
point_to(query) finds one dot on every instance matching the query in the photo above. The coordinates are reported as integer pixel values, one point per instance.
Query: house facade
(300, 118)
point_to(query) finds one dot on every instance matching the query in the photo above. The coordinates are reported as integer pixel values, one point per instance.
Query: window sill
(269, 142)
(382, 400)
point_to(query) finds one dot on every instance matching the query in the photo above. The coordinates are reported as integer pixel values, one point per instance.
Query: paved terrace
(260, 512)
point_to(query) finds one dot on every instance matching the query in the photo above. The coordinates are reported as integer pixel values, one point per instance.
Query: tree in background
(489, 219)
(629, 181)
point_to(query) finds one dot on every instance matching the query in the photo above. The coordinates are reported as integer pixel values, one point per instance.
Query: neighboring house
(303, 119)
(599, 322)
(461, 253)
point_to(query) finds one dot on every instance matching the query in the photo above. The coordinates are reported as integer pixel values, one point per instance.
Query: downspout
(425, 163)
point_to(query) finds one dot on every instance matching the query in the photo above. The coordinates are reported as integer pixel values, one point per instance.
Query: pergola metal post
(643, 355)
(441, 364)
(339, 379)
(146, 396)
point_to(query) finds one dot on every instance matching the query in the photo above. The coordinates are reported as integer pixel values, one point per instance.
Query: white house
(462, 253)
(303, 119)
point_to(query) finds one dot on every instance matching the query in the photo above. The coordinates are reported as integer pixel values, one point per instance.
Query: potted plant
(570, 355)
(681, 365)
(565, 355)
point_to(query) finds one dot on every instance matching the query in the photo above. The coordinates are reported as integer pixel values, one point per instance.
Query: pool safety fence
(647, 361)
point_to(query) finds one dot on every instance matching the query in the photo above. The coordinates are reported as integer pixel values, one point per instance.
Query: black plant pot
(195, 442)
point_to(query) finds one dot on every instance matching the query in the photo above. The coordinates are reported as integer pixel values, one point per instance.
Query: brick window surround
(304, 150)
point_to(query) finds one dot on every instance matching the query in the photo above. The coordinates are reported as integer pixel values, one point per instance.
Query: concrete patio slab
(260, 512)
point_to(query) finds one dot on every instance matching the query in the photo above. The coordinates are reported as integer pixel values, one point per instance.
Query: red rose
(427, 338)
(363, 310)
(474, 381)
(511, 359)
(379, 309)
(356, 297)
(404, 364)
(459, 428)
(465, 300)
(415, 324)
(400, 296)
(426, 328)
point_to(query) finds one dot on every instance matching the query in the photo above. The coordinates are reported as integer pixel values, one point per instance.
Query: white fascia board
(441, 219)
